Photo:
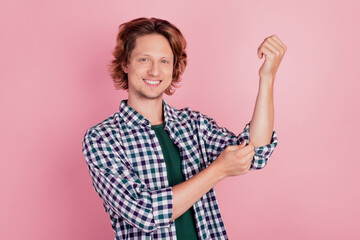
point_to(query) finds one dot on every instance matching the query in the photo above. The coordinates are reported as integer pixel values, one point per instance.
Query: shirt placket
(175, 136)
(160, 179)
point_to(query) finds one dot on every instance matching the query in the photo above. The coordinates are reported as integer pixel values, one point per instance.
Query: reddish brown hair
(125, 43)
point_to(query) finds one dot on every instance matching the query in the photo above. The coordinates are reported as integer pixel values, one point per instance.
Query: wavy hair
(126, 40)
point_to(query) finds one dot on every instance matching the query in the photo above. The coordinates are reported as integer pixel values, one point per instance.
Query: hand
(235, 160)
(274, 50)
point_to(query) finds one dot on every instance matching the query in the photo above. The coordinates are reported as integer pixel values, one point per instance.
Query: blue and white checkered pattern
(128, 170)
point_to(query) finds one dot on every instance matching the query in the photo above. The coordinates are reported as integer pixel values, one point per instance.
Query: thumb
(237, 147)
(243, 144)
(233, 147)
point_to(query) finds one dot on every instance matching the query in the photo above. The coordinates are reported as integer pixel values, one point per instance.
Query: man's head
(130, 31)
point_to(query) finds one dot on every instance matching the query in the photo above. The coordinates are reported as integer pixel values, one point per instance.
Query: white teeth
(152, 82)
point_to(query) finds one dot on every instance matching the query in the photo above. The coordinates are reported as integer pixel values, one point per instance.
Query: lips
(152, 83)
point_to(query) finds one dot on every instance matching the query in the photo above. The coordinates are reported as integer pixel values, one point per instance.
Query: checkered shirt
(128, 170)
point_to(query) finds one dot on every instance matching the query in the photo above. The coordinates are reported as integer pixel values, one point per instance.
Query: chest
(144, 153)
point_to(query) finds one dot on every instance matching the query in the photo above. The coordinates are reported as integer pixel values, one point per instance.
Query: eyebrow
(148, 55)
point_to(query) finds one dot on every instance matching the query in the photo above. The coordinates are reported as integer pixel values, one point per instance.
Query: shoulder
(104, 128)
(187, 114)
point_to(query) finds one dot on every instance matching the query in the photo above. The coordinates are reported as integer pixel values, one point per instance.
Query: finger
(240, 152)
(272, 48)
(264, 50)
(275, 47)
(249, 166)
(277, 39)
(249, 159)
(232, 147)
(251, 156)
(251, 147)
(243, 144)
(260, 52)
(276, 43)
(280, 43)
(236, 147)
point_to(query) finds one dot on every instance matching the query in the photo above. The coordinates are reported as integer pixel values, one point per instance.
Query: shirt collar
(132, 118)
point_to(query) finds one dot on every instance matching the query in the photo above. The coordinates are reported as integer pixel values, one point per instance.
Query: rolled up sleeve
(263, 153)
(122, 190)
(218, 138)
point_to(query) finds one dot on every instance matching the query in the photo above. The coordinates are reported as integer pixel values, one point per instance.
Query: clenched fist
(235, 160)
(273, 49)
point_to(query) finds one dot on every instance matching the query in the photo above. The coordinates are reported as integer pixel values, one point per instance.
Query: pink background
(55, 85)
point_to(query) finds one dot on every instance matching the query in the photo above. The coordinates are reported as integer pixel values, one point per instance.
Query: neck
(152, 109)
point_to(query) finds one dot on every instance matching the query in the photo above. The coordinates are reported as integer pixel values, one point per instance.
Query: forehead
(152, 44)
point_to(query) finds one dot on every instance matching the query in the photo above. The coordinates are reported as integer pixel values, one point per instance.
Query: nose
(154, 69)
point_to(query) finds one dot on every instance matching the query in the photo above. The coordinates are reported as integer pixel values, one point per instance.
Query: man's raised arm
(262, 122)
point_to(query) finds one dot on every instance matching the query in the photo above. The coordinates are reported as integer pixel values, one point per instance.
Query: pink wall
(55, 85)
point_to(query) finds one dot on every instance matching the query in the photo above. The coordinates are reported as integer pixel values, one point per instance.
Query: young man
(155, 166)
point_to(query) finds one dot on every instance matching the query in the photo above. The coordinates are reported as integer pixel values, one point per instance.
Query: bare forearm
(262, 122)
(233, 161)
(189, 192)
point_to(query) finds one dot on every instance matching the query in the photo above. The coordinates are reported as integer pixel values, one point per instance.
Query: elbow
(143, 219)
(144, 223)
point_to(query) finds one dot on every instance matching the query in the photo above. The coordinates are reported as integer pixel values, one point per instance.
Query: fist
(273, 49)
(235, 160)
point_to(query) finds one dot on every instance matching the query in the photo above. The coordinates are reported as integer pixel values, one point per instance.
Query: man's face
(150, 67)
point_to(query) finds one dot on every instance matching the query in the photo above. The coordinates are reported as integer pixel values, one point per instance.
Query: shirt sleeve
(122, 190)
(218, 138)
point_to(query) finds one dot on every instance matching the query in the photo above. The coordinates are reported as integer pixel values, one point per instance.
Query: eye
(165, 61)
(143, 59)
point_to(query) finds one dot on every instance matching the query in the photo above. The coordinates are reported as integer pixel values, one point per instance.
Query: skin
(262, 122)
(152, 59)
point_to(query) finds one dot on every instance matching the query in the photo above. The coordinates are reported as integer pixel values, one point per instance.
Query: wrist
(267, 80)
(216, 172)
(266, 85)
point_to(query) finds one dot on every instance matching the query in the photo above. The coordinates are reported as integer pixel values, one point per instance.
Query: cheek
(169, 71)
(137, 70)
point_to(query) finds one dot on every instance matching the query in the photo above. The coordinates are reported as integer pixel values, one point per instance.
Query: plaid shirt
(128, 171)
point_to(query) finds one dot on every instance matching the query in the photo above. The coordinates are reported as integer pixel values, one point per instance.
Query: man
(155, 166)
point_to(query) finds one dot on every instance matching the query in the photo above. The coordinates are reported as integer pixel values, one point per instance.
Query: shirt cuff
(162, 203)
(263, 153)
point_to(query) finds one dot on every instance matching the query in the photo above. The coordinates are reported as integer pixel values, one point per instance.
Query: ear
(124, 67)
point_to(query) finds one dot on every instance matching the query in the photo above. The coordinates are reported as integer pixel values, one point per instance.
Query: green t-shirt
(185, 224)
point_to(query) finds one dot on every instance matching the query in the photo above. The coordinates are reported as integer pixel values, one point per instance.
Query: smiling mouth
(153, 82)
